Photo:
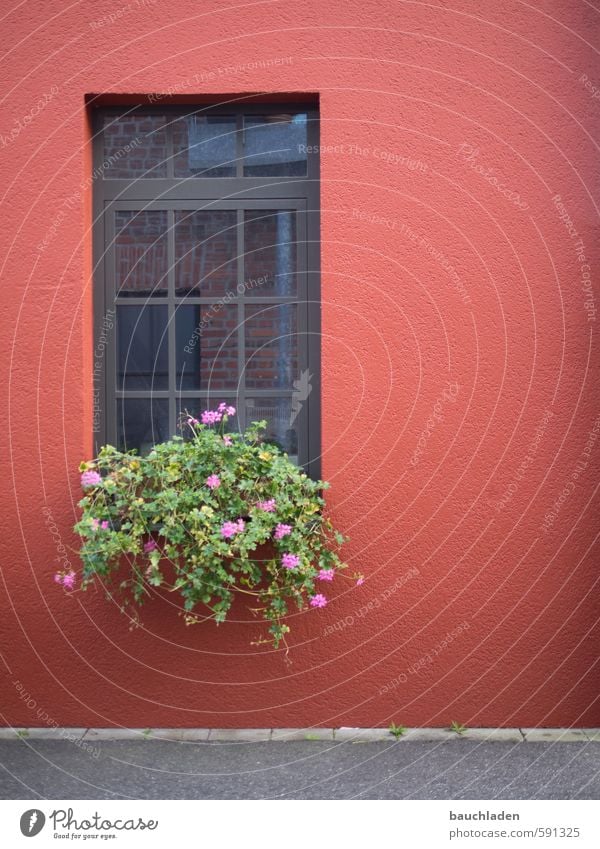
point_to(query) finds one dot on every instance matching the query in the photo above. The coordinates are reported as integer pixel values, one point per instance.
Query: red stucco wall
(460, 363)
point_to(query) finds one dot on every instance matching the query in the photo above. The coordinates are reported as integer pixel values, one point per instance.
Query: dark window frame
(199, 192)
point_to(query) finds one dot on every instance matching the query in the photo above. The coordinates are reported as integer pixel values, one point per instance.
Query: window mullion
(241, 399)
(172, 349)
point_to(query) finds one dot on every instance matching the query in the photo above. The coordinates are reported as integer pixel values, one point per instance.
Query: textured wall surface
(460, 363)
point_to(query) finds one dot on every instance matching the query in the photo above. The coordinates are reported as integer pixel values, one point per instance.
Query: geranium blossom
(290, 561)
(360, 582)
(230, 529)
(318, 600)
(67, 580)
(192, 421)
(225, 408)
(267, 506)
(90, 478)
(282, 531)
(325, 575)
(150, 546)
(211, 417)
(96, 523)
(227, 440)
(213, 481)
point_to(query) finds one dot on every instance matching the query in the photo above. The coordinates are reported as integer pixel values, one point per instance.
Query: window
(206, 249)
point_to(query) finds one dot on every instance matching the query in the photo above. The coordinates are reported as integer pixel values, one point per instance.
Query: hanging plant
(196, 516)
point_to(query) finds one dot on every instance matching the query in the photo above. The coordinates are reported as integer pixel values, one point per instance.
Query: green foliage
(154, 521)
(457, 727)
(397, 730)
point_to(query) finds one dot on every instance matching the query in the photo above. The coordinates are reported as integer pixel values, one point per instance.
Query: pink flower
(318, 600)
(213, 481)
(227, 440)
(290, 561)
(360, 582)
(267, 506)
(150, 546)
(90, 479)
(230, 529)
(222, 407)
(192, 421)
(58, 578)
(230, 411)
(282, 531)
(104, 525)
(68, 580)
(325, 575)
(211, 417)
(95, 524)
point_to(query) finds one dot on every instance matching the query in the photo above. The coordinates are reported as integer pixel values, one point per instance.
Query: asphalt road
(152, 769)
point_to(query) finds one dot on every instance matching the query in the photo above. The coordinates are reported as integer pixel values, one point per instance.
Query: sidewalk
(309, 769)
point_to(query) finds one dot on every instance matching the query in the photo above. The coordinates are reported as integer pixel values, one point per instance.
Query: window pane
(205, 146)
(275, 145)
(271, 346)
(141, 252)
(205, 252)
(207, 349)
(142, 361)
(141, 423)
(270, 252)
(281, 421)
(135, 146)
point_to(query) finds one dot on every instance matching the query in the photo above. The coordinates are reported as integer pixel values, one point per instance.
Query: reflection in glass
(275, 145)
(142, 349)
(142, 423)
(205, 252)
(206, 347)
(205, 146)
(281, 422)
(141, 259)
(271, 346)
(135, 146)
(270, 252)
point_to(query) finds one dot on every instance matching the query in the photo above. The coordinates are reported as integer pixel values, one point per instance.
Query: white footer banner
(292, 824)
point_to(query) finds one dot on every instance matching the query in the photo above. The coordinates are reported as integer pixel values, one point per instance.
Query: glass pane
(270, 252)
(275, 145)
(205, 146)
(281, 422)
(141, 260)
(205, 252)
(196, 406)
(142, 357)
(141, 423)
(271, 346)
(135, 146)
(207, 349)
